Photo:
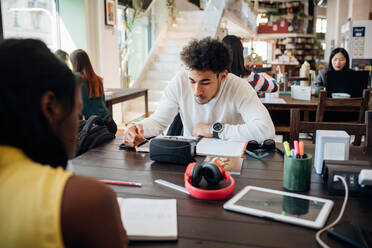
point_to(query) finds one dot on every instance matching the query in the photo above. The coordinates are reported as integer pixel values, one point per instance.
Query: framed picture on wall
(110, 17)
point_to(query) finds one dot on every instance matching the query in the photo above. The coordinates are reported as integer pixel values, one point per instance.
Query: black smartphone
(352, 234)
(123, 146)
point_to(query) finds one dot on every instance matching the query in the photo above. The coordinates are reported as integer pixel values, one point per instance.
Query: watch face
(217, 127)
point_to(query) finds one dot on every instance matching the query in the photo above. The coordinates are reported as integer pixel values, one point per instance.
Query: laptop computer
(350, 82)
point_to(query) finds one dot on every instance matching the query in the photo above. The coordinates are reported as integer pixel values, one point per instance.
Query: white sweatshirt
(236, 105)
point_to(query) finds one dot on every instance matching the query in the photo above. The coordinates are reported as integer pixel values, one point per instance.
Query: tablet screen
(281, 204)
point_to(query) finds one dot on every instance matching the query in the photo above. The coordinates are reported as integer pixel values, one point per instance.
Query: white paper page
(301, 92)
(144, 148)
(217, 147)
(272, 100)
(149, 219)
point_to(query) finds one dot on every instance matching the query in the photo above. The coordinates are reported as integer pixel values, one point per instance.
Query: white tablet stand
(330, 145)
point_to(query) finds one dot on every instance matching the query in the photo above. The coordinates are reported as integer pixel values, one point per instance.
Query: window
(259, 47)
(321, 25)
(31, 19)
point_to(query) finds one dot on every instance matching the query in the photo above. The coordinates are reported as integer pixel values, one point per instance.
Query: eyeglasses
(254, 155)
(267, 145)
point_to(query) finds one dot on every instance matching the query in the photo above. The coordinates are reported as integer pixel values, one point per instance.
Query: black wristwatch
(217, 128)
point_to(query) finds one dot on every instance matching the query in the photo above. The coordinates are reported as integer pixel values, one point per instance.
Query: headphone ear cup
(196, 175)
(212, 173)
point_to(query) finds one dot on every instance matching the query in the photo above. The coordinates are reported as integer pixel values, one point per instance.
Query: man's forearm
(255, 130)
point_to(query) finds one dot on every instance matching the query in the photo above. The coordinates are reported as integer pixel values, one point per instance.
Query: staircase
(167, 61)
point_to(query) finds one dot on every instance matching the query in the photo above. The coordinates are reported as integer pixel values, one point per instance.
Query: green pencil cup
(297, 173)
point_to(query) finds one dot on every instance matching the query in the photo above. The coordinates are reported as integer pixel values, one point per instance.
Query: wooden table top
(310, 105)
(116, 95)
(204, 223)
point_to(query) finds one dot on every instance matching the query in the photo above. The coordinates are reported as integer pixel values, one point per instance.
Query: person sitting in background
(92, 90)
(261, 82)
(211, 101)
(62, 55)
(338, 61)
(42, 205)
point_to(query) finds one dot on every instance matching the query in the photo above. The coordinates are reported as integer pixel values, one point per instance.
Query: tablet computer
(283, 206)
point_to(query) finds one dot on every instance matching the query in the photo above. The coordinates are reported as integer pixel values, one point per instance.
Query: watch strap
(215, 135)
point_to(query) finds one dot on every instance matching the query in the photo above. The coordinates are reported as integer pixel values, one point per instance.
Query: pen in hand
(142, 143)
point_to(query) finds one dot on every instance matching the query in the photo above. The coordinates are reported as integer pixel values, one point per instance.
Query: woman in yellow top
(42, 205)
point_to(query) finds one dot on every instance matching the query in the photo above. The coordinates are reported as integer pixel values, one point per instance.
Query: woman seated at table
(338, 61)
(92, 90)
(261, 82)
(42, 205)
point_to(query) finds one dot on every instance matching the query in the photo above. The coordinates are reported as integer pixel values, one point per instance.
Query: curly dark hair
(207, 54)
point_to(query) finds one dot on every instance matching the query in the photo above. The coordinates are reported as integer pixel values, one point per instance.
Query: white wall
(337, 15)
(72, 23)
(103, 48)
(102, 44)
(359, 9)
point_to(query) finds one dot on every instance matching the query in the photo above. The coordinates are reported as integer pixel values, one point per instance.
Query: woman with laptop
(338, 61)
(340, 81)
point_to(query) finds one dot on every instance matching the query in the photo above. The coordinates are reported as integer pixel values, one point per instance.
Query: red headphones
(213, 173)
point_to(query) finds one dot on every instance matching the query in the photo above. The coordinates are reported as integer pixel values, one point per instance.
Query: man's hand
(133, 134)
(201, 129)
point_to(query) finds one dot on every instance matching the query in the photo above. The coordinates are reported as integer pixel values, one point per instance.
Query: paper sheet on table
(222, 148)
(149, 219)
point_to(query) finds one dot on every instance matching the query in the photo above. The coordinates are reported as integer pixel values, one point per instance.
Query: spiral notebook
(149, 219)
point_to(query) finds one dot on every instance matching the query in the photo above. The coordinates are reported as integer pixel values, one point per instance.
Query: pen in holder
(297, 173)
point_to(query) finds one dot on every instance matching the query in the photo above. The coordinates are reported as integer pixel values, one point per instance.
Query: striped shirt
(262, 82)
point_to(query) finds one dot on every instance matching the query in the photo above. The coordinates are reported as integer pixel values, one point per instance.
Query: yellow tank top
(30, 201)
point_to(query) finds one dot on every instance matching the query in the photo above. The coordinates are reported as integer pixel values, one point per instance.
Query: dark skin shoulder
(90, 215)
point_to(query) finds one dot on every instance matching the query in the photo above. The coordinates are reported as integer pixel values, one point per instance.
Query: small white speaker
(330, 145)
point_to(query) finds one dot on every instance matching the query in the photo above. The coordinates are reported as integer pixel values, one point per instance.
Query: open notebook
(221, 148)
(149, 219)
(210, 146)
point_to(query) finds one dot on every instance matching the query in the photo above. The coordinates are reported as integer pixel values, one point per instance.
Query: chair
(351, 128)
(176, 127)
(343, 105)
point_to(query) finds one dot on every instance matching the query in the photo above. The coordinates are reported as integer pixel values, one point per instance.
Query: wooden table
(281, 120)
(293, 103)
(122, 95)
(305, 105)
(204, 223)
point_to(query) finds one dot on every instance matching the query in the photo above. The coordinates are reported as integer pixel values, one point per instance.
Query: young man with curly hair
(211, 101)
